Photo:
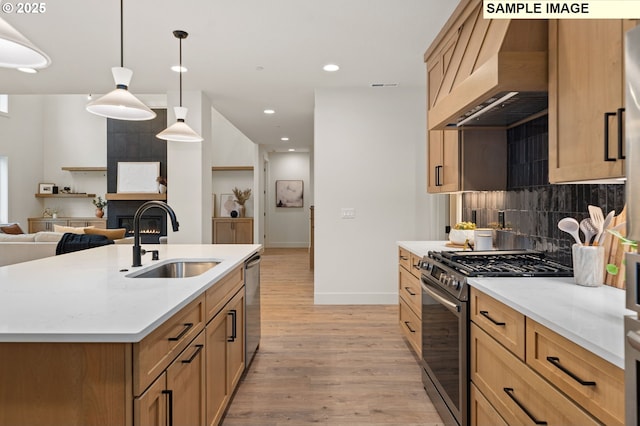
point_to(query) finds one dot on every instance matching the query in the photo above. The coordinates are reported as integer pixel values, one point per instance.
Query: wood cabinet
(37, 224)
(586, 99)
(183, 373)
(466, 160)
(225, 356)
(522, 372)
(410, 299)
(232, 230)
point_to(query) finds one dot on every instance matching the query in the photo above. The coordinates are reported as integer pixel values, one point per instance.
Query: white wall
(21, 140)
(365, 149)
(288, 226)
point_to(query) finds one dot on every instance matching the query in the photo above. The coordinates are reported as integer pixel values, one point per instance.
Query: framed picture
(289, 193)
(138, 177)
(45, 188)
(228, 204)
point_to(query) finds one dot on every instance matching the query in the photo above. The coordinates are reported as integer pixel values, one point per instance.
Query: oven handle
(448, 304)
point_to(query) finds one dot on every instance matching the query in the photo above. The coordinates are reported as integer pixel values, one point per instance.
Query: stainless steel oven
(445, 346)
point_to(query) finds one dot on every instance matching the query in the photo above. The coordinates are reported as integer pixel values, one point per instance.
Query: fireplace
(153, 224)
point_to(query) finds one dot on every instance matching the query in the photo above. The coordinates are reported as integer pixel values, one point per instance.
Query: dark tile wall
(533, 207)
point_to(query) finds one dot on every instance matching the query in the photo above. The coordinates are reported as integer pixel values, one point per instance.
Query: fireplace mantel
(136, 196)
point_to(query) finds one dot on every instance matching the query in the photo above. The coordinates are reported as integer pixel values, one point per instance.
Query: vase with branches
(242, 195)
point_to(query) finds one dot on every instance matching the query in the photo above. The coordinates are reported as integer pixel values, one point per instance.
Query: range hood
(486, 73)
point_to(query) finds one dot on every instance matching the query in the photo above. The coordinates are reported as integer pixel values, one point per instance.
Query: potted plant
(241, 197)
(100, 204)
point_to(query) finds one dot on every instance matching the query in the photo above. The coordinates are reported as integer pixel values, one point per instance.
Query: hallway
(333, 365)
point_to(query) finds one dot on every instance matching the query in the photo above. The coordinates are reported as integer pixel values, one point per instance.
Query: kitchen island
(83, 343)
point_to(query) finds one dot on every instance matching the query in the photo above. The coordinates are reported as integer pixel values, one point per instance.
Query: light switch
(348, 213)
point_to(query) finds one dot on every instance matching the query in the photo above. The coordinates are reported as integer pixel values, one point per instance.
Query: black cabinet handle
(187, 327)
(408, 290)
(194, 355)
(406, 323)
(486, 315)
(438, 180)
(606, 136)
(621, 155)
(509, 392)
(404, 258)
(170, 393)
(556, 363)
(234, 335)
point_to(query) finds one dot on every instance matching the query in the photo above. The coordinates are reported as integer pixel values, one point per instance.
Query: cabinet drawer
(404, 258)
(517, 393)
(410, 291)
(222, 291)
(500, 321)
(481, 411)
(411, 327)
(566, 365)
(415, 262)
(156, 351)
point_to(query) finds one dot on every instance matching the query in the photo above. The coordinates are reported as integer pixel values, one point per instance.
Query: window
(4, 189)
(4, 104)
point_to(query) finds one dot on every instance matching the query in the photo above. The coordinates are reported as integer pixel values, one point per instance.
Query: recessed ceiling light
(269, 111)
(331, 67)
(291, 150)
(178, 68)
(28, 70)
(284, 138)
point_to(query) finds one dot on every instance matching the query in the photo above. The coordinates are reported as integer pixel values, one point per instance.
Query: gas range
(450, 269)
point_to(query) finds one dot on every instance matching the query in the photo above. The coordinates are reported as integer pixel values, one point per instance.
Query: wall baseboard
(287, 245)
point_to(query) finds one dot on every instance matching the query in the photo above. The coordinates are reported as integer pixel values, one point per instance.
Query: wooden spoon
(570, 226)
(587, 228)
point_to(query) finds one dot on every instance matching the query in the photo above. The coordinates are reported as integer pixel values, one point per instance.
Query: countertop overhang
(85, 296)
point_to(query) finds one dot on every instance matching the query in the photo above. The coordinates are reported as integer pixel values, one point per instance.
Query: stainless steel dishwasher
(252, 310)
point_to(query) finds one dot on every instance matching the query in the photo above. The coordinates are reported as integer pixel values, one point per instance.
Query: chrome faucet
(137, 250)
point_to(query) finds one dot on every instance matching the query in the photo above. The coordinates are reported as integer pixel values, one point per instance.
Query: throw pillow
(112, 234)
(70, 229)
(12, 229)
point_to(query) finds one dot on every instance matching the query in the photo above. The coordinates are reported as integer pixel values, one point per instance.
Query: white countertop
(592, 317)
(84, 296)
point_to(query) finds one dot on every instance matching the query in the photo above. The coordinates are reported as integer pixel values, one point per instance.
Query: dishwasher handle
(253, 261)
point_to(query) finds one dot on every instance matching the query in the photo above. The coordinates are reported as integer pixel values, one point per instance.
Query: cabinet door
(244, 231)
(217, 383)
(235, 347)
(223, 232)
(434, 160)
(186, 382)
(37, 225)
(443, 164)
(150, 409)
(586, 75)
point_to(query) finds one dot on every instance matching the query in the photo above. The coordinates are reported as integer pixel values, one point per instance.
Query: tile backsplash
(532, 207)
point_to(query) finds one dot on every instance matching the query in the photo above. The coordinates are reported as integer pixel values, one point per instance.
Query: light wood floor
(334, 365)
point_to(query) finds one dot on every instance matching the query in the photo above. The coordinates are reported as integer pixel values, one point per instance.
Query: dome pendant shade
(180, 131)
(120, 103)
(16, 51)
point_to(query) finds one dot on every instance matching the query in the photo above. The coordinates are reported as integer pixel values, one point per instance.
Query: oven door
(444, 352)
(631, 369)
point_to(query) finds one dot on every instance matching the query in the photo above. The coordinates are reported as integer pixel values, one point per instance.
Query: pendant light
(120, 103)
(16, 51)
(180, 131)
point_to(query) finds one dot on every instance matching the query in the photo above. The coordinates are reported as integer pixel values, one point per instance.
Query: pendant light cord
(121, 35)
(181, 70)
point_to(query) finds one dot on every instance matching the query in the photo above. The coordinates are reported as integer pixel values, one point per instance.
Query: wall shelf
(85, 169)
(231, 168)
(65, 195)
(136, 196)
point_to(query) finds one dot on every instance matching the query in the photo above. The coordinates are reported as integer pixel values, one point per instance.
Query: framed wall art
(138, 177)
(228, 204)
(45, 188)
(289, 193)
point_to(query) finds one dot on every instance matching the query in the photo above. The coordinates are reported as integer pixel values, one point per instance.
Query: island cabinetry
(232, 230)
(225, 356)
(524, 372)
(594, 383)
(410, 299)
(178, 395)
(37, 224)
(586, 99)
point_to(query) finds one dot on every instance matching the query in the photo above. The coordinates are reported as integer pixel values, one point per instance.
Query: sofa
(16, 248)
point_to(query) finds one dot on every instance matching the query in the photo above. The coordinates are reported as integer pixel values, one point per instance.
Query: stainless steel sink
(176, 269)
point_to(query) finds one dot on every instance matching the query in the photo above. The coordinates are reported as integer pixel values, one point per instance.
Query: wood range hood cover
(474, 62)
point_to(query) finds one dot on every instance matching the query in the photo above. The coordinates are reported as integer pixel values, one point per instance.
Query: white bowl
(459, 236)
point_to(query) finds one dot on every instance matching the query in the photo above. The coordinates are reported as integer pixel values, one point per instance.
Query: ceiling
(245, 55)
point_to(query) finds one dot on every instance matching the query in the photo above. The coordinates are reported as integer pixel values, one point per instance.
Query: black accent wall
(532, 206)
(135, 141)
